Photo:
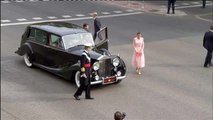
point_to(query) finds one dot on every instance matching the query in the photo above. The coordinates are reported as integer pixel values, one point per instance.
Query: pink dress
(138, 59)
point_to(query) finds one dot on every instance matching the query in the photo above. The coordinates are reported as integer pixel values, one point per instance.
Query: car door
(38, 40)
(55, 51)
(102, 41)
(57, 54)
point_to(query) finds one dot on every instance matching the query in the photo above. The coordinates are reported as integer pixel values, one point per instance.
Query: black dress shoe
(76, 97)
(89, 98)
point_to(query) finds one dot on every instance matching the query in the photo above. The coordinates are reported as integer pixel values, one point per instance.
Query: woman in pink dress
(138, 59)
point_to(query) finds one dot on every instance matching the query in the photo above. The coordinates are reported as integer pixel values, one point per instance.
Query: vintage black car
(57, 47)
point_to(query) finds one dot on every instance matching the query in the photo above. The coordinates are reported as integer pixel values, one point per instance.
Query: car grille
(105, 68)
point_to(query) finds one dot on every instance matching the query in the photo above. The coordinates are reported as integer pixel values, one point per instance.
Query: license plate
(110, 80)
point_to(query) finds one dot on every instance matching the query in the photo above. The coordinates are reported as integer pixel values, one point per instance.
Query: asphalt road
(173, 85)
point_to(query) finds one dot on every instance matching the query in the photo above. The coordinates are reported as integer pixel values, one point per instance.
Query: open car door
(102, 39)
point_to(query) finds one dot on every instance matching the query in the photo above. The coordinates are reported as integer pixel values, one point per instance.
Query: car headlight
(115, 62)
(119, 73)
(96, 77)
(96, 66)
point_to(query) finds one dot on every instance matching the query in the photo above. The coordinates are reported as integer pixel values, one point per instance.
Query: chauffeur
(85, 73)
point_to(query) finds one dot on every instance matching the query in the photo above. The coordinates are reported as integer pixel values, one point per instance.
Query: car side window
(32, 33)
(55, 41)
(41, 36)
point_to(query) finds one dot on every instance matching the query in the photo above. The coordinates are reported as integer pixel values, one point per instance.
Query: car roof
(59, 28)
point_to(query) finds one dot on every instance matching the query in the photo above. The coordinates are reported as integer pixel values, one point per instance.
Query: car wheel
(28, 60)
(77, 78)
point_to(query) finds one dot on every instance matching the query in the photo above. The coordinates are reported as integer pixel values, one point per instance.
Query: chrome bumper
(101, 81)
(121, 77)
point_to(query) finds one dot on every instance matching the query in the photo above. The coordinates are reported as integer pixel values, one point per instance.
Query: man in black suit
(204, 3)
(208, 44)
(97, 24)
(85, 73)
(171, 2)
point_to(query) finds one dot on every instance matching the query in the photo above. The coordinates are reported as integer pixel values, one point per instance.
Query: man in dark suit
(171, 2)
(204, 3)
(208, 44)
(85, 73)
(97, 24)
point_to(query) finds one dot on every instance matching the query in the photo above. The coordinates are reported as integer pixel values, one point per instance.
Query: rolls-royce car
(58, 46)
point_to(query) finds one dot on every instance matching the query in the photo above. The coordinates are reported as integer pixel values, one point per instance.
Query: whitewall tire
(77, 78)
(27, 60)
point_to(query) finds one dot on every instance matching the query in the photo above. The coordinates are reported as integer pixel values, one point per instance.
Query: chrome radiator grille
(105, 68)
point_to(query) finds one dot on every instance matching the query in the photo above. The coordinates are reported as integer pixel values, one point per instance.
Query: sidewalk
(146, 7)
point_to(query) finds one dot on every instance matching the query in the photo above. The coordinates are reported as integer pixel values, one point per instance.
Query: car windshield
(77, 39)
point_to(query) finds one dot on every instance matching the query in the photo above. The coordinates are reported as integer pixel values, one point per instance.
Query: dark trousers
(208, 58)
(82, 88)
(173, 6)
(204, 3)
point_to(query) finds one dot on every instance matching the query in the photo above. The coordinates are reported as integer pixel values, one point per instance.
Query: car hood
(93, 54)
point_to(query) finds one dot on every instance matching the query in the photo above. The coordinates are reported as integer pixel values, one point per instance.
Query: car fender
(25, 48)
(74, 68)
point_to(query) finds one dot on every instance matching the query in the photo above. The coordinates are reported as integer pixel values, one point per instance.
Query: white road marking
(19, 1)
(3, 21)
(45, 0)
(176, 5)
(66, 16)
(105, 13)
(21, 19)
(51, 17)
(191, 6)
(71, 19)
(185, 4)
(79, 15)
(130, 10)
(5, 1)
(117, 11)
(195, 3)
(36, 18)
(33, 0)
(199, 17)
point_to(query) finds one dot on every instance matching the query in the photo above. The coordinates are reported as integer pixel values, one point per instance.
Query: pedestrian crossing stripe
(4, 21)
(51, 17)
(21, 19)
